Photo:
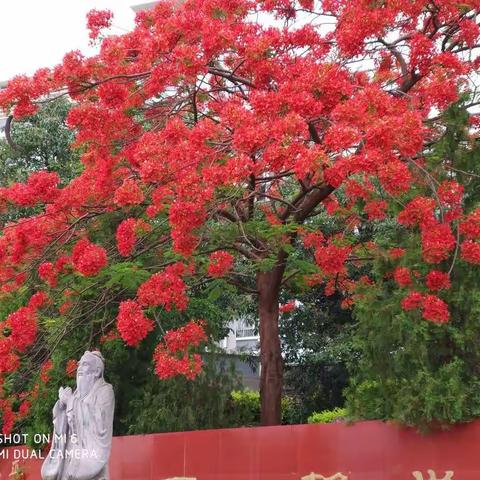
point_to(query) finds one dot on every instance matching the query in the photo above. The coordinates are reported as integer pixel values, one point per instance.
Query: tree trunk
(271, 380)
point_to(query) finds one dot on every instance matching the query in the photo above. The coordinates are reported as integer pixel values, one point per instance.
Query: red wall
(363, 451)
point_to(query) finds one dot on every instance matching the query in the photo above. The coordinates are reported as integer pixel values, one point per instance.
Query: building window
(245, 330)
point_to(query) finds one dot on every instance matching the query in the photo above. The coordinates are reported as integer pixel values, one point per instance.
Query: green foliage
(179, 404)
(245, 409)
(328, 416)
(316, 342)
(41, 142)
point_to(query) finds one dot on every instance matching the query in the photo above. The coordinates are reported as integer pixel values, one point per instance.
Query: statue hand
(64, 395)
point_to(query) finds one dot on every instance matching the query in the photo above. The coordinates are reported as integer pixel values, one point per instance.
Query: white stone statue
(83, 424)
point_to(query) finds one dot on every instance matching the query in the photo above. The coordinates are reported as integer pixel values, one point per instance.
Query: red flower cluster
(126, 237)
(402, 276)
(220, 264)
(23, 326)
(376, 209)
(165, 288)
(127, 233)
(418, 211)
(437, 280)
(71, 368)
(470, 251)
(168, 366)
(287, 307)
(331, 258)
(38, 300)
(396, 253)
(191, 334)
(48, 273)
(470, 226)
(437, 242)
(8, 416)
(132, 324)
(24, 409)
(97, 20)
(450, 193)
(172, 358)
(185, 217)
(88, 258)
(433, 308)
(45, 371)
(129, 193)
(412, 301)
(41, 187)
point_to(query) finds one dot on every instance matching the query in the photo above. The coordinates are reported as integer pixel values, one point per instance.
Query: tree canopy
(212, 136)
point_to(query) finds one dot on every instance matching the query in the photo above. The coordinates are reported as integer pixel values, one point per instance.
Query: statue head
(90, 368)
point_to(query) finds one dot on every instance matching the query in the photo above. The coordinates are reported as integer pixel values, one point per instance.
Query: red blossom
(435, 309)
(129, 193)
(172, 357)
(8, 416)
(37, 300)
(167, 366)
(470, 226)
(287, 307)
(331, 258)
(470, 251)
(402, 276)
(132, 324)
(396, 253)
(71, 368)
(418, 211)
(97, 20)
(24, 409)
(220, 264)
(395, 177)
(88, 258)
(126, 237)
(376, 209)
(65, 307)
(48, 272)
(450, 193)
(437, 280)
(165, 288)
(437, 242)
(23, 325)
(191, 334)
(412, 301)
(313, 239)
(41, 187)
(45, 371)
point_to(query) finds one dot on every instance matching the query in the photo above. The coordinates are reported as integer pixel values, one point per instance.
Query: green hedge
(328, 416)
(246, 408)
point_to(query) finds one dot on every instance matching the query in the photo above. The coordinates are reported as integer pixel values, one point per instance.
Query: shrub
(246, 408)
(328, 416)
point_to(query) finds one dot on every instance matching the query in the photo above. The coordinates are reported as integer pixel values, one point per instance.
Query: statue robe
(82, 436)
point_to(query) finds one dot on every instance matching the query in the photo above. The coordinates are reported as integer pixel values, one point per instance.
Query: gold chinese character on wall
(317, 476)
(432, 475)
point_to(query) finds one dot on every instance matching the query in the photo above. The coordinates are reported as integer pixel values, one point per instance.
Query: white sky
(38, 33)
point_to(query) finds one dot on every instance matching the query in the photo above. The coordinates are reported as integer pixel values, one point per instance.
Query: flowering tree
(216, 132)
